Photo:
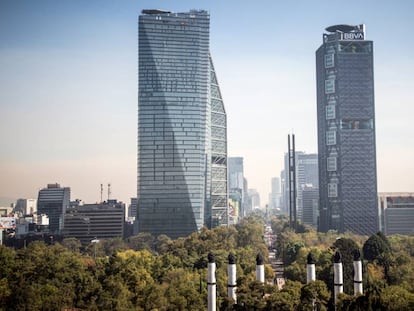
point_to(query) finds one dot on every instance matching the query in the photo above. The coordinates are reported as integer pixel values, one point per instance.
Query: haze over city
(68, 88)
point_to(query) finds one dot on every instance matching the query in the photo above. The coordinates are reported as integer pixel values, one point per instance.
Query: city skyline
(68, 94)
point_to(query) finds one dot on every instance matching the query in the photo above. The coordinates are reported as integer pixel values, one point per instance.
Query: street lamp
(94, 241)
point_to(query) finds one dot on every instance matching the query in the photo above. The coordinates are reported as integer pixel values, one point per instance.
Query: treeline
(388, 265)
(157, 273)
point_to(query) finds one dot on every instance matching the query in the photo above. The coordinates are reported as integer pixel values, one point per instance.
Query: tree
(374, 247)
(314, 296)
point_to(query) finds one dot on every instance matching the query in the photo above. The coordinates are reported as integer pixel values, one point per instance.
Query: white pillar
(231, 272)
(211, 283)
(310, 269)
(260, 276)
(338, 275)
(357, 273)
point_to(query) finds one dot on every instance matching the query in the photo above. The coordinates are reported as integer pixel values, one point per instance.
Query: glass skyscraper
(346, 131)
(182, 141)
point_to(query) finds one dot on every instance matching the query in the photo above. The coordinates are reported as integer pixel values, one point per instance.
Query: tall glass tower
(346, 131)
(182, 143)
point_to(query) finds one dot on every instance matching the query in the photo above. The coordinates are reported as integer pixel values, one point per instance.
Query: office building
(346, 131)
(26, 206)
(274, 197)
(182, 136)
(237, 190)
(306, 170)
(53, 202)
(95, 221)
(396, 213)
(310, 200)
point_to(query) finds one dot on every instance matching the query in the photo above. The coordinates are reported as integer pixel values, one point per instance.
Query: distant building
(396, 213)
(237, 190)
(26, 206)
(254, 198)
(53, 202)
(100, 220)
(310, 206)
(306, 176)
(346, 131)
(133, 208)
(274, 197)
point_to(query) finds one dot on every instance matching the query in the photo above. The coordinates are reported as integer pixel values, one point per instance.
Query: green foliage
(314, 295)
(375, 246)
(157, 273)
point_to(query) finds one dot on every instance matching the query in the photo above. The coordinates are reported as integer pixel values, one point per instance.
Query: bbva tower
(182, 130)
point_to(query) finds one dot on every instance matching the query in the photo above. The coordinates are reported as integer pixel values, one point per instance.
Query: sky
(68, 88)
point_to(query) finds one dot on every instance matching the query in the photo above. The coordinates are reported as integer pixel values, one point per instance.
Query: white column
(260, 276)
(357, 273)
(338, 275)
(211, 283)
(231, 272)
(310, 269)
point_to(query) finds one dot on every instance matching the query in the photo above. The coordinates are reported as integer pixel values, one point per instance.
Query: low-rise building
(396, 211)
(95, 221)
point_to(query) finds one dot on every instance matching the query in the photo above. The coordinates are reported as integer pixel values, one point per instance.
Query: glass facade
(346, 132)
(177, 96)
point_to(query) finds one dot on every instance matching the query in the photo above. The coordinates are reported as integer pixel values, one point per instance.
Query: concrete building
(310, 205)
(237, 190)
(53, 202)
(182, 130)
(26, 206)
(396, 212)
(346, 131)
(274, 197)
(90, 221)
(254, 199)
(306, 176)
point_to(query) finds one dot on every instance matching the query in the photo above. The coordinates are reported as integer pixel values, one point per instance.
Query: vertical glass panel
(332, 190)
(330, 112)
(331, 138)
(329, 86)
(329, 60)
(331, 164)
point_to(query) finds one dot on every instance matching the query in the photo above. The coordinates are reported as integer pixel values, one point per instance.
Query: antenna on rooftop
(109, 191)
(101, 192)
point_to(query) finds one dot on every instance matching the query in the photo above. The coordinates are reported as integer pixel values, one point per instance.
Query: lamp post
(94, 241)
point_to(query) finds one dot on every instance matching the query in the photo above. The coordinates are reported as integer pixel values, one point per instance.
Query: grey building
(53, 202)
(182, 131)
(346, 131)
(396, 213)
(306, 176)
(310, 204)
(90, 221)
(237, 190)
(274, 197)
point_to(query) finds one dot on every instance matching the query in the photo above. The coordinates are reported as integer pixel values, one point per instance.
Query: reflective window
(331, 164)
(329, 60)
(330, 112)
(332, 190)
(331, 138)
(329, 86)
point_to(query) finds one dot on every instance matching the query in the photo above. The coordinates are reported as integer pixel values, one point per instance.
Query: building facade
(346, 131)
(95, 221)
(306, 170)
(396, 213)
(274, 197)
(53, 202)
(182, 140)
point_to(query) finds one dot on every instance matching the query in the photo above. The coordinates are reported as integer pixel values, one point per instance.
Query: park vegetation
(157, 273)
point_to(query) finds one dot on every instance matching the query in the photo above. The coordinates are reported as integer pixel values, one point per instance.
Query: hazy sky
(68, 88)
